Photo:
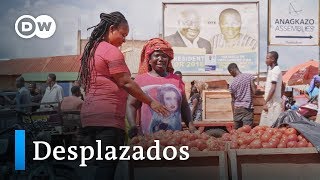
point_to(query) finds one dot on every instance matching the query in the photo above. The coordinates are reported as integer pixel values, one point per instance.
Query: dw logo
(27, 26)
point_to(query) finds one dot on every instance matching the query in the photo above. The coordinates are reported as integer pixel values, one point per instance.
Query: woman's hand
(159, 108)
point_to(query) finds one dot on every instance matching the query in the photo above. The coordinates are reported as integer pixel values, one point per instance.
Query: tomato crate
(275, 163)
(200, 165)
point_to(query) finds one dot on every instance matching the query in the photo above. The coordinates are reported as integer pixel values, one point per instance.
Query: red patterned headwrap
(151, 46)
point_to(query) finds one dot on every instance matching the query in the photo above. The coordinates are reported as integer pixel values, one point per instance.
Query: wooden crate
(217, 106)
(200, 165)
(265, 164)
(258, 102)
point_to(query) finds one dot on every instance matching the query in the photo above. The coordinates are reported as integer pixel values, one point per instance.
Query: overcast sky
(144, 16)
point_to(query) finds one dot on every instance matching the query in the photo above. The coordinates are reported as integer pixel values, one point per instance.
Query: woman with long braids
(107, 82)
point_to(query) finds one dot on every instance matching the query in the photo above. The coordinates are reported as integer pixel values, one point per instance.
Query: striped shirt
(244, 40)
(241, 89)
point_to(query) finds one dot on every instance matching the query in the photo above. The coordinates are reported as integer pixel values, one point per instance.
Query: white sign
(27, 26)
(294, 22)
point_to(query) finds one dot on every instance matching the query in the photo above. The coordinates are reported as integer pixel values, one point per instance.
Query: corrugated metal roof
(45, 64)
(61, 64)
(19, 66)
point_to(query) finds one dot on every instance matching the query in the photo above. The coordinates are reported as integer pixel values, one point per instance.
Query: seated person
(313, 89)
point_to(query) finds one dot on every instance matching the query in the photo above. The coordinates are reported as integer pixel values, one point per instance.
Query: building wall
(8, 82)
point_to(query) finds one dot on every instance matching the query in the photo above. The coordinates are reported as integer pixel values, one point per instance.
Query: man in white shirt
(53, 94)
(272, 96)
(188, 32)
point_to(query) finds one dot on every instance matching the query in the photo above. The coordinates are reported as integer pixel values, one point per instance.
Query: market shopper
(156, 78)
(273, 101)
(53, 95)
(195, 100)
(73, 102)
(242, 91)
(107, 82)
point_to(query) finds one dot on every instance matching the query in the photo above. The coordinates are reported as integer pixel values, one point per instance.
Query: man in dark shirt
(35, 95)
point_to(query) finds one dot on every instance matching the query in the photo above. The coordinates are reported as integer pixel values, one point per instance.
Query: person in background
(195, 102)
(36, 96)
(156, 73)
(22, 101)
(53, 95)
(72, 102)
(178, 73)
(273, 101)
(242, 90)
(107, 81)
(77, 83)
(313, 90)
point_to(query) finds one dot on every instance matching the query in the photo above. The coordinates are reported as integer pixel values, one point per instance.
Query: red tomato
(270, 131)
(274, 140)
(301, 138)
(256, 144)
(278, 134)
(169, 132)
(292, 137)
(243, 146)
(194, 149)
(241, 141)
(253, 131)
(184, 141)
(265, 137)
(290, 131)
(266, 145)
(260, 132)
(246, 128)
(302, 144)
(234, 145)
(257, 128)
(292, 144)
(240, 130)
(282, 145)
(248, 139)
(273, 144)
(309, 144)
(283, 129)
(134, 140)
(201, 145)
(264, 127)
(233, 131)
(164, 141)
(205, 136)
(226, 137)
(192, 137)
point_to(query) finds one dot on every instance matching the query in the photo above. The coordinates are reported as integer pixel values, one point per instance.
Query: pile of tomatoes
(195, 141)
(265, 137)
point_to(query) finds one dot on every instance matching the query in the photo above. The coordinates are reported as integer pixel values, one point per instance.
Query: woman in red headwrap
(156, 78)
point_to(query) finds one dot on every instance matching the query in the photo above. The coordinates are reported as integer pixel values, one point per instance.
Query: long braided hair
(97, 35)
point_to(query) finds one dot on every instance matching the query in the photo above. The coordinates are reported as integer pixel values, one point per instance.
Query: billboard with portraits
(207, 37)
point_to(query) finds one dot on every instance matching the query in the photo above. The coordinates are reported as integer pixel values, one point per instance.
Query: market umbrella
(302, 73)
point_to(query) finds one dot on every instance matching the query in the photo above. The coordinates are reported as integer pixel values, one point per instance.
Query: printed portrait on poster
(171, 98)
